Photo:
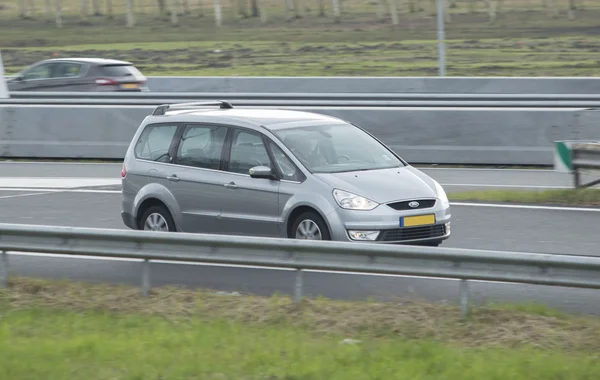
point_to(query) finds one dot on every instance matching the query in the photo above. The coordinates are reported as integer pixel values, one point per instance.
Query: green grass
(526, 40)
(573, 197)
(57, 345)
(63, 330)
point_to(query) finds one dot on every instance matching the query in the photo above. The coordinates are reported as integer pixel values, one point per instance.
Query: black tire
(316, 219)
(163, 212)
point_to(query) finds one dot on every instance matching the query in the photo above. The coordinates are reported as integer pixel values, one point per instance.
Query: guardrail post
(146, 277)
(3, 269)
(464, 297)
(299, 286)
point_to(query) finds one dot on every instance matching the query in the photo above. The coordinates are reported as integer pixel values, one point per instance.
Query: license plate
(419, 220)
(129, 85)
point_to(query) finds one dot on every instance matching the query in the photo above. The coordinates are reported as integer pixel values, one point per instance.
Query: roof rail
(162, 109)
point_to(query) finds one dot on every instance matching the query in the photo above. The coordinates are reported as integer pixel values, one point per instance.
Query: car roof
(271, 119)
(97, 61)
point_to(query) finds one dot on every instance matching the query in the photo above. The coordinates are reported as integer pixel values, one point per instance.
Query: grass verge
(567, 197)
(63, 330)
(525, 40)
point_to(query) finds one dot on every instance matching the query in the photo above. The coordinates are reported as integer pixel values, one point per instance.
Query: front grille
(423, 203)
(412, 233)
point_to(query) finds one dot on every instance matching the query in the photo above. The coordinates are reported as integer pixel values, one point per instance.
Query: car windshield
(337, 148)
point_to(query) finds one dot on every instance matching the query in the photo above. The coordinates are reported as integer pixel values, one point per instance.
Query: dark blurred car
(79, 75)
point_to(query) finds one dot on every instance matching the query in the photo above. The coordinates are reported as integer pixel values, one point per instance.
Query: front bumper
(433, 232)
(383, 225)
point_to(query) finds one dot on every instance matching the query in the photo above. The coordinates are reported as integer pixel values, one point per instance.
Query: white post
(441, 38)
(3, 269)
(3, 88)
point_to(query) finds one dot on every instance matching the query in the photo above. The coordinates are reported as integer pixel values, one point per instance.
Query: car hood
(383, 185)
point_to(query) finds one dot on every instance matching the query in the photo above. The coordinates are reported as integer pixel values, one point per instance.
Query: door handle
(173, 178)
(231, 185)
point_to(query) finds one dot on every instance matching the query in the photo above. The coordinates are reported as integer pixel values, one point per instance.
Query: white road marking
(35, 254)
(22, 195)
(531, 207)
(74, 188)
(118, 165)
(41, 163)
(508, 186)
(485, 169)
(75, 182)
(70, 185)
(56, 182)
(97, 191)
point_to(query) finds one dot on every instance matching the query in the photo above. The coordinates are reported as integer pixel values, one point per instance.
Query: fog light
(448, 228)
(363, 235)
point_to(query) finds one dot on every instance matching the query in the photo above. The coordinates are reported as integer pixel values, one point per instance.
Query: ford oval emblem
(413, 204)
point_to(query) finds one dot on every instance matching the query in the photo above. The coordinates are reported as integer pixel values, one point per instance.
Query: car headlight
(441, 194)
(351, 201)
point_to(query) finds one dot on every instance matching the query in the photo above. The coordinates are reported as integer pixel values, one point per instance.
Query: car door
(69, 76)
(250, 205)
(35, 78)
(196, 177)
(291, 180)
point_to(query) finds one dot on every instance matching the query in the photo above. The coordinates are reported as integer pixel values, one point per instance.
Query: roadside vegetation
(549, 38)
(567, 197)
(65, 330)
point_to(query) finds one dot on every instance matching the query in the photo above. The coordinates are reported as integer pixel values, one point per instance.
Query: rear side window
(154, 143)
(66, 70)
(247, 151)
(201, 146)
(119, 71)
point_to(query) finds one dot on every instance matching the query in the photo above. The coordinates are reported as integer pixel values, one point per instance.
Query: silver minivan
(211, 168)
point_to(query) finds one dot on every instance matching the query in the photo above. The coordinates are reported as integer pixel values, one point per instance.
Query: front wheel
(157, 218)
(310, 226)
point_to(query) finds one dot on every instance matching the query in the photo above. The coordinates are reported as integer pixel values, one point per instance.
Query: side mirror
(261, 172)
(17, 78)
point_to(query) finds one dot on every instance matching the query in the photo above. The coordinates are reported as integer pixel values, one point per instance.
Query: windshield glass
(337, 148)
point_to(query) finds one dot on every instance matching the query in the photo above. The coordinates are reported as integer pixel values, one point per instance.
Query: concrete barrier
(420, 135)
(466, 85)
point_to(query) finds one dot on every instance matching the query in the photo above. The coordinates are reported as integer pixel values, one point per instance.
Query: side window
(247, 151)
(288, 169)
(201, 146)
(43, 71)
(154, 142)
(66, 70)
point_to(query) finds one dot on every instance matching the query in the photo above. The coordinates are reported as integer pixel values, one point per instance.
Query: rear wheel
(157, 218)
(310, 226)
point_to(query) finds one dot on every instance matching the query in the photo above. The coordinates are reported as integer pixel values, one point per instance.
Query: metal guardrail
(391, 84)
(585, 156)
(305, 96)
(310, 99)
(301, 255)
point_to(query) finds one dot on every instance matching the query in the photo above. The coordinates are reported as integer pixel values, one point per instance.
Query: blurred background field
(307, 38)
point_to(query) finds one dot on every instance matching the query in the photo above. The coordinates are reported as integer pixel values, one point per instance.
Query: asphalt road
(517, 229)
(510, 229)
(451, 179)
